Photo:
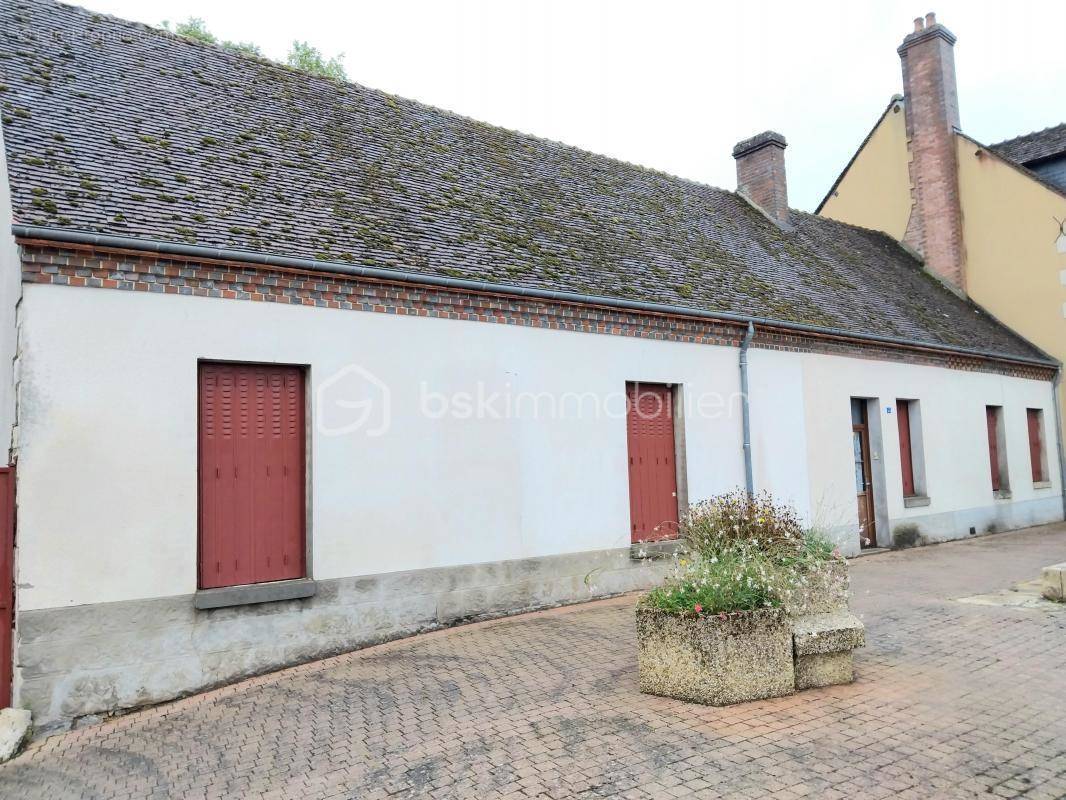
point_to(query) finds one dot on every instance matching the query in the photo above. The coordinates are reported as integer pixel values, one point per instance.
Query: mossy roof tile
(137, 132)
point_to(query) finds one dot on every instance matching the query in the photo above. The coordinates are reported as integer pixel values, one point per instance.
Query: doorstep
(252, 593)
(663, 548)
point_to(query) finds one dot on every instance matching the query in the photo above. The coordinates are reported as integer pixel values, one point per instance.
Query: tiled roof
(1035, 146)
(114, 127)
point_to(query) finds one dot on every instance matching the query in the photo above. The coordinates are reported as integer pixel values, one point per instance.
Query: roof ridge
(1028, 135)
(889, 239)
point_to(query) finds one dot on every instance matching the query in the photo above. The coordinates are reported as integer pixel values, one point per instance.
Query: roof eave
(76, 237)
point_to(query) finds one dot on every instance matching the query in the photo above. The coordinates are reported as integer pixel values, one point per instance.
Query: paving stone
(951, 700)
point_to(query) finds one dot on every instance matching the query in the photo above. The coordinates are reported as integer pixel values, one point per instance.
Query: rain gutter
(66, 236)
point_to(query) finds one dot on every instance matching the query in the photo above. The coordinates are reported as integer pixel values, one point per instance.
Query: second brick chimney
(932, 115)
(761, 173)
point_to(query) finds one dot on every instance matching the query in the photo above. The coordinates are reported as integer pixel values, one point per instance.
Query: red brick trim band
(45, 262)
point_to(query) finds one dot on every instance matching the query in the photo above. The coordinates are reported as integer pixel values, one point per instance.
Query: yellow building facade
(1013, 246)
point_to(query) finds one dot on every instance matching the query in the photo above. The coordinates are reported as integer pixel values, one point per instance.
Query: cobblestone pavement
(951, 700)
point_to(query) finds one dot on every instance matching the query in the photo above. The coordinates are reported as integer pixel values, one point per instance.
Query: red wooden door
(652, 470)
(903, 418)
(251, 474)
(993, 445)
(7, 580)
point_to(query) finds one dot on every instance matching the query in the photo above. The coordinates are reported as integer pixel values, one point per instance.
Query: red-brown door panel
(251, 474)
(652, 470)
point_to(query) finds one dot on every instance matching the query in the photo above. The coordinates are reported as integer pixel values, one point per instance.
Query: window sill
(1002, 494)
(1041, 484)
(252, 593)
(916, 501)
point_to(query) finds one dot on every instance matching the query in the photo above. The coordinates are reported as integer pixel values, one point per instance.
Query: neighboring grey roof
(1033, 147)
(114, 127)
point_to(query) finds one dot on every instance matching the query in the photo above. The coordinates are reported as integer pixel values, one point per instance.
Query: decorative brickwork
(75, 265)
(932, 108)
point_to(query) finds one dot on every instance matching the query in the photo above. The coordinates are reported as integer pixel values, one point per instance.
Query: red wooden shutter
(1032, 416)
(993, 445)
(251, 474)
(903, 419)
(652, 471)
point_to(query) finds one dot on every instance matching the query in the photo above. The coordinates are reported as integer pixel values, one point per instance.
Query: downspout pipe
(745, 409)
(1056, 399)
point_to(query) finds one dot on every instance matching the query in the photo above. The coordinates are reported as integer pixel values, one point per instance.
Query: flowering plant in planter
(744, 552)
(736, 579)
(719, 629)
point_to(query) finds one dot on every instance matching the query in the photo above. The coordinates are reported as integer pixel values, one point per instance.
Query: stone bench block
(824, 669)
(822, 644)
(817, 634)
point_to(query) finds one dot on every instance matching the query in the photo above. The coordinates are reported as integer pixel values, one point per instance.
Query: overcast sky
(670, 85)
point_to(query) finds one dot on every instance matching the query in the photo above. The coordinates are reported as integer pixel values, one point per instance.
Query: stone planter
(715, 660)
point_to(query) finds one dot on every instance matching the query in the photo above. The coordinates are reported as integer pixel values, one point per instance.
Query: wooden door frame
(680, 449)
(876, 451)
(863, 429)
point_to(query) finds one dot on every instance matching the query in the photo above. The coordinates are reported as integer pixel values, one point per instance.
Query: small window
(997, 451)
(911, 457)
(858, 411)
(1037, 451)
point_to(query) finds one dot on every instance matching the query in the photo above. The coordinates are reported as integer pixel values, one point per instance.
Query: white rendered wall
(107, 472)
(108, 469)
(954, 439)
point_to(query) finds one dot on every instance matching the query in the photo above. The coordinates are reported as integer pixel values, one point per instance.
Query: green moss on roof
(347, 173)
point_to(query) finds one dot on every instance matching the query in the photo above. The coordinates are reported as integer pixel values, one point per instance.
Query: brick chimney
(932, 114)
(761, 173)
